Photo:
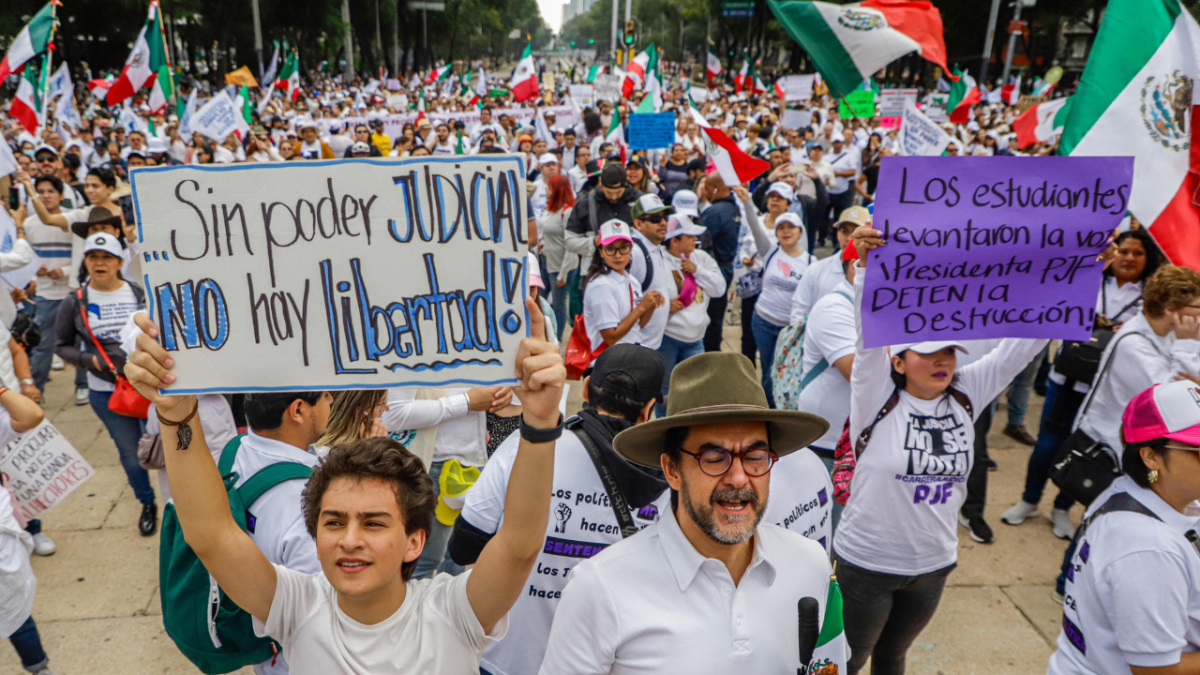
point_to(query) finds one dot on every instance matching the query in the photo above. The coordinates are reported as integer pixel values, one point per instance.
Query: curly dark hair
(376, 458)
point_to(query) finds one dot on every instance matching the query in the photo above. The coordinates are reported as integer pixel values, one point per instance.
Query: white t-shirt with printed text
(801, 496)
(107, 313)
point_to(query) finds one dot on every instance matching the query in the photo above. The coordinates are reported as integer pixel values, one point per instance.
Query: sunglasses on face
(653, 218)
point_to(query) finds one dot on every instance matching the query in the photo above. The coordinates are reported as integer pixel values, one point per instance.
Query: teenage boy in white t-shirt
(369, 506)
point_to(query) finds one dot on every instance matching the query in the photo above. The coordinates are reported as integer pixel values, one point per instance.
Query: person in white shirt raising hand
(368, 505)
(912, 414)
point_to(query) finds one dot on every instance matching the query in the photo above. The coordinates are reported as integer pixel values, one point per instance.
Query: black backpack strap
(616, 498)
(864, 436)
(1122, 501)
(649, 266)
(592, 209)
(964, 401)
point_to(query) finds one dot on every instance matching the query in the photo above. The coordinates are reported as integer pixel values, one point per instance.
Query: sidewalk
(98, 607)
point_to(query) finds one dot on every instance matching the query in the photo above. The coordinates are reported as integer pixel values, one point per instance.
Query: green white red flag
(26, 106)
(31, 41)
(1042, 122)
(964, 94)
(438, 74)
(1137, 98)
(713, 66)
(288, 78)
(849, 43)
(524, 83)
(635, 76)
(735, 166)
(162, 83)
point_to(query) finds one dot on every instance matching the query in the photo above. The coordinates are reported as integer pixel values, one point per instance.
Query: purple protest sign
(987, 247)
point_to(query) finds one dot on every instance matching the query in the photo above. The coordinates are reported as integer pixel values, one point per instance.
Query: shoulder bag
(616, 498)
(1084, 467)
(125, 400)
(1080, 360)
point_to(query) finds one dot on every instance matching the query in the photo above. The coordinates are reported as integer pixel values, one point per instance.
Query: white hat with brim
(929, 347)
(679, 223)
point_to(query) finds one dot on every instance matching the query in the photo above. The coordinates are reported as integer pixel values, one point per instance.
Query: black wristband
(533, 435)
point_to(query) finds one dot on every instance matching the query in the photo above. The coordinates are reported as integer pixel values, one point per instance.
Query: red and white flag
(635, 77)
(136, 72)
(31, 41)
(735, 166)
(1011, 92)
(524, 84)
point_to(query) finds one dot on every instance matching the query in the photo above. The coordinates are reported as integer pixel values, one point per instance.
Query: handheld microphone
(810, 628)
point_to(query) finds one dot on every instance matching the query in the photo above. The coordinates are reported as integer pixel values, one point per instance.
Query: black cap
(643, 366)
(697, 164)
(592, 167)
(613, 175)
(376, 122)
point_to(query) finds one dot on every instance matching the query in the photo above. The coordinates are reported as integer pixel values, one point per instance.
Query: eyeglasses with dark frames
(716, 461)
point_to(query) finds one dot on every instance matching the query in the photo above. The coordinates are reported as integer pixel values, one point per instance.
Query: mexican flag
(653, 84)
(735, 166)
(438, 74)
(595, 70)
(753, 82)
(31, 41)
(713, 67)
(136, 72)
(616, 134)
(98, 87)
(849, 43)
(1137, 97)
(635, 77)
(26, 106)
(739, 80)
(963, 95)
(830, 654)
(779, 90)
(162, 86)
(1011, 92)
(289, 76)
(1042, 122)
(524, 84)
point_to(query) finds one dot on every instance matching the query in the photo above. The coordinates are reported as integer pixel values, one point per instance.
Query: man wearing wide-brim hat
(707, 589)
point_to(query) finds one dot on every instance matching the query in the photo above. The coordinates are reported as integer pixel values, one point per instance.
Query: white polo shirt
(801, 496)
(821, 278)
(848, 160)
(662, 282)
(1133, 591)
(581, 524)
(653, 604)
(829, 336)
(607, 300)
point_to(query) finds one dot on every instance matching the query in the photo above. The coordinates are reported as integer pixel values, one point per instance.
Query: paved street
(99, 613)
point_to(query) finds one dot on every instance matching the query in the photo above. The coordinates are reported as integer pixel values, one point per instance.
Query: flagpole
(49, 61)
(167, 51)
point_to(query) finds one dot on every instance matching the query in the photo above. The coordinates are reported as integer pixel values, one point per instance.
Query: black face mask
(640, 485)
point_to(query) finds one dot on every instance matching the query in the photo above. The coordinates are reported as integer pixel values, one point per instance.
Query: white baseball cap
(686, 203)
(929, 347)
(679, 223)
(103, 241)
(783, 190)
(790, 218)
(614, 230)
(548, 158)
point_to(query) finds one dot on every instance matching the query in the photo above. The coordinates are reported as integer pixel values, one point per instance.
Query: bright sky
(552, 13)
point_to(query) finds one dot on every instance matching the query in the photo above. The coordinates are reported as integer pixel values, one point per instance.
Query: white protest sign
(42, 468)
(583, 94)
(216, 119)
(698, 94)
(796, 119)
(891, 106)
(608, 87)
(921, 136)
(20, 277)
(936, 109)
(340, 274)
(393, 125)
(798, 87)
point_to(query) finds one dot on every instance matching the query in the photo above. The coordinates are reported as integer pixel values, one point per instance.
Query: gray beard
(704, 519)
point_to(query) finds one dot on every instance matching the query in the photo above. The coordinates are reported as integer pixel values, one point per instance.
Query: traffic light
(629, 33)
(572, 43)
(591, 42)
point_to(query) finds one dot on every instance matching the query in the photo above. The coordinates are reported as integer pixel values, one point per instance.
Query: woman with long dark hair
(614, 309)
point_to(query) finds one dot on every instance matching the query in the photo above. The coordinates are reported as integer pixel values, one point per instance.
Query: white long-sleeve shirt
(689, 323)
(461, 434)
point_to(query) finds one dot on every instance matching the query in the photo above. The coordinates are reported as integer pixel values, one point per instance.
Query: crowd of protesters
(641, 260)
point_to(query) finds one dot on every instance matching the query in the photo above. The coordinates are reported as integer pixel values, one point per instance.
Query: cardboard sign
(921, 136)
(649, 131)
(796, 119)
(608, 87)
(891, 106)
(42, 468)
(341, 274)
(583, 94)
(798, 87)
(858, 103)
(1025, 102)
(991, 247)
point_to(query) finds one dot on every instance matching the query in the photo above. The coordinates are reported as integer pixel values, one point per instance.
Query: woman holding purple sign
(912, 414)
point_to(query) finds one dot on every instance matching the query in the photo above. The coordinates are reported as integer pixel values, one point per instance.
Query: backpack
(788, 378)
(214, 634)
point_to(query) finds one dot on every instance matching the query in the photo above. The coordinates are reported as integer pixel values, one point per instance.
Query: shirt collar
(1173, 519)
(685, 560)
(279, 446)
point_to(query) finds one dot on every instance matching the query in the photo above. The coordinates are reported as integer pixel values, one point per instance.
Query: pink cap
(614, 230)
(1164, 411)
(535, 271)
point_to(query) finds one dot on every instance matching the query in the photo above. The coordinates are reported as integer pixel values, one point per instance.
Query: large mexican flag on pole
(849, 43)
(1136, 97)
(30, 42)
